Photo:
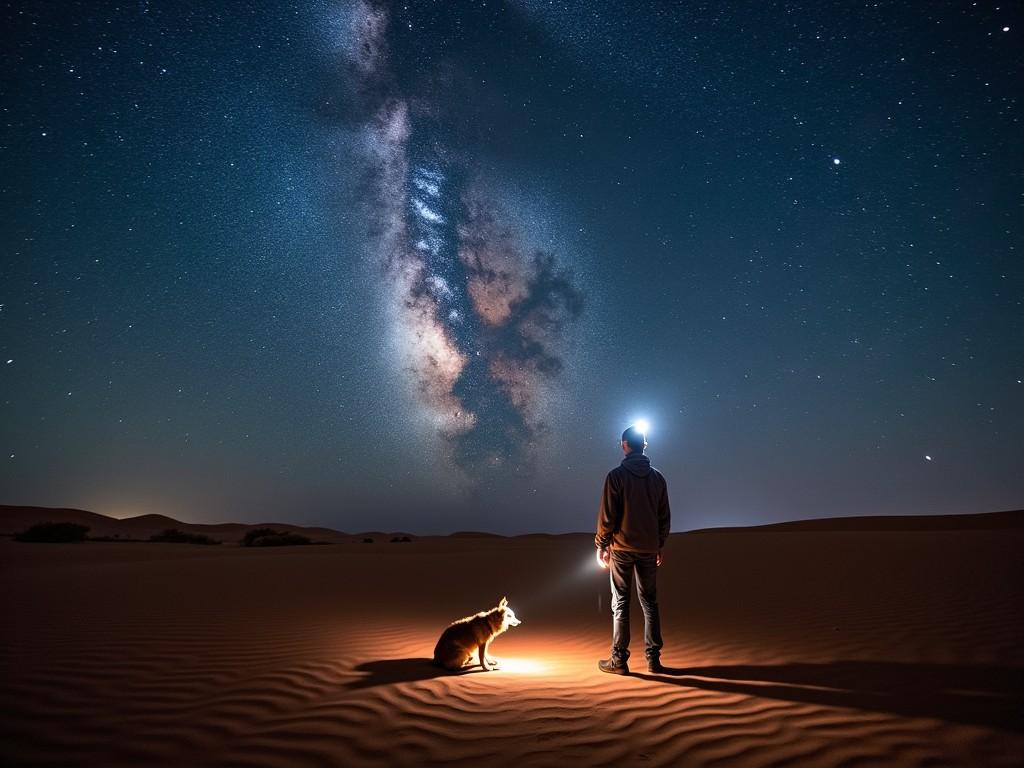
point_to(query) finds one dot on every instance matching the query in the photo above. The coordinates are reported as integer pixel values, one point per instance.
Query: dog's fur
(455, 648)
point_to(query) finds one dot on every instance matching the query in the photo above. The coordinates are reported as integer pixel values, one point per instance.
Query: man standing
(632, 528)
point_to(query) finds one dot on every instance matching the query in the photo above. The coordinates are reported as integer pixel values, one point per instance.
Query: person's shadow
(985, 695)
(388, 671)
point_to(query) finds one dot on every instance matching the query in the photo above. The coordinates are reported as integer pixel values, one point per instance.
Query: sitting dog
(462, 638)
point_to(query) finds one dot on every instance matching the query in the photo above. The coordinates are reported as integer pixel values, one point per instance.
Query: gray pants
(621, 568)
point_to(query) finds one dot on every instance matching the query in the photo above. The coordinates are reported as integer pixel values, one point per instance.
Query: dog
(459, 641)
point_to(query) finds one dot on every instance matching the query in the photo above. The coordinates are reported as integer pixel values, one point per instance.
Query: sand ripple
(198, 667)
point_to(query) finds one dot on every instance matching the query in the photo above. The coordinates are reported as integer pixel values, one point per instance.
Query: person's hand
(602, 558)
(660, 559)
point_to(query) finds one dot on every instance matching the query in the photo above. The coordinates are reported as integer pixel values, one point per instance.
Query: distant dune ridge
(17, 518)
(857, 645)
(978, 521)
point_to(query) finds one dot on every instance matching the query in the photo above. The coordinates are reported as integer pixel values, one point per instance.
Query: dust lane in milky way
(481, 320)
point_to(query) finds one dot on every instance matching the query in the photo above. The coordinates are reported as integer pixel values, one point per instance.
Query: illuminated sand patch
(520, 666)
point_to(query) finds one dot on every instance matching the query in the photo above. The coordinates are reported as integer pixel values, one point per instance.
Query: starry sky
(415, 266)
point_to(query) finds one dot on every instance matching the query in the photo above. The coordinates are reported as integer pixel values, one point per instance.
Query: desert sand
(795, 647)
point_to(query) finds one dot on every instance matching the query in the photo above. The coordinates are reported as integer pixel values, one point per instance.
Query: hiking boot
(609, 666)
(654, 665)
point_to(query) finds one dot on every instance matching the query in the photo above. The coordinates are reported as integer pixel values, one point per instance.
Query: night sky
(415, 266)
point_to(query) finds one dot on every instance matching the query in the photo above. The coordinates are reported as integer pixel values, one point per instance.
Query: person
(632, 527)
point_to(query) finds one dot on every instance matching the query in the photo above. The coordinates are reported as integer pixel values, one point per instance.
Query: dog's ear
(503, 603)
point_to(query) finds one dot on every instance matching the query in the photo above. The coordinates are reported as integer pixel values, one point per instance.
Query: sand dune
(15, 518)
(808, 648)
(18, 518)
(988, 521)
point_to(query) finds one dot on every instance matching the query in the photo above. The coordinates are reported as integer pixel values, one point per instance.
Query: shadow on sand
(388, 671)
(976, 695)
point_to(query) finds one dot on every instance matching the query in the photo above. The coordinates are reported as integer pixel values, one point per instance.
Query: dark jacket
(634, 512)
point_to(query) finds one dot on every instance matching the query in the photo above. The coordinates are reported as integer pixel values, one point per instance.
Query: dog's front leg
(492, 663)
(483, 657)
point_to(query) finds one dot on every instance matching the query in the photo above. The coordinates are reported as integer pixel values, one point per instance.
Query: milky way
(480, 319)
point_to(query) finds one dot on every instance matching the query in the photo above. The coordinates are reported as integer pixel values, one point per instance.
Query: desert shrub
(268, 537)
(367, 540)
(257, 533)
(400, 540)
(53, 533)
(180, 537)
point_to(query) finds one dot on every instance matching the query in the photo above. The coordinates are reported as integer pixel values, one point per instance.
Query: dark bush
(367, 541)
(180, 537)
(400, 540)
(268, 537)
(257, 533)
(53, 533)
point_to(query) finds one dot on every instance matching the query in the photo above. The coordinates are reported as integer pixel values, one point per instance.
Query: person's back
(634, 508)
(632, 528)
